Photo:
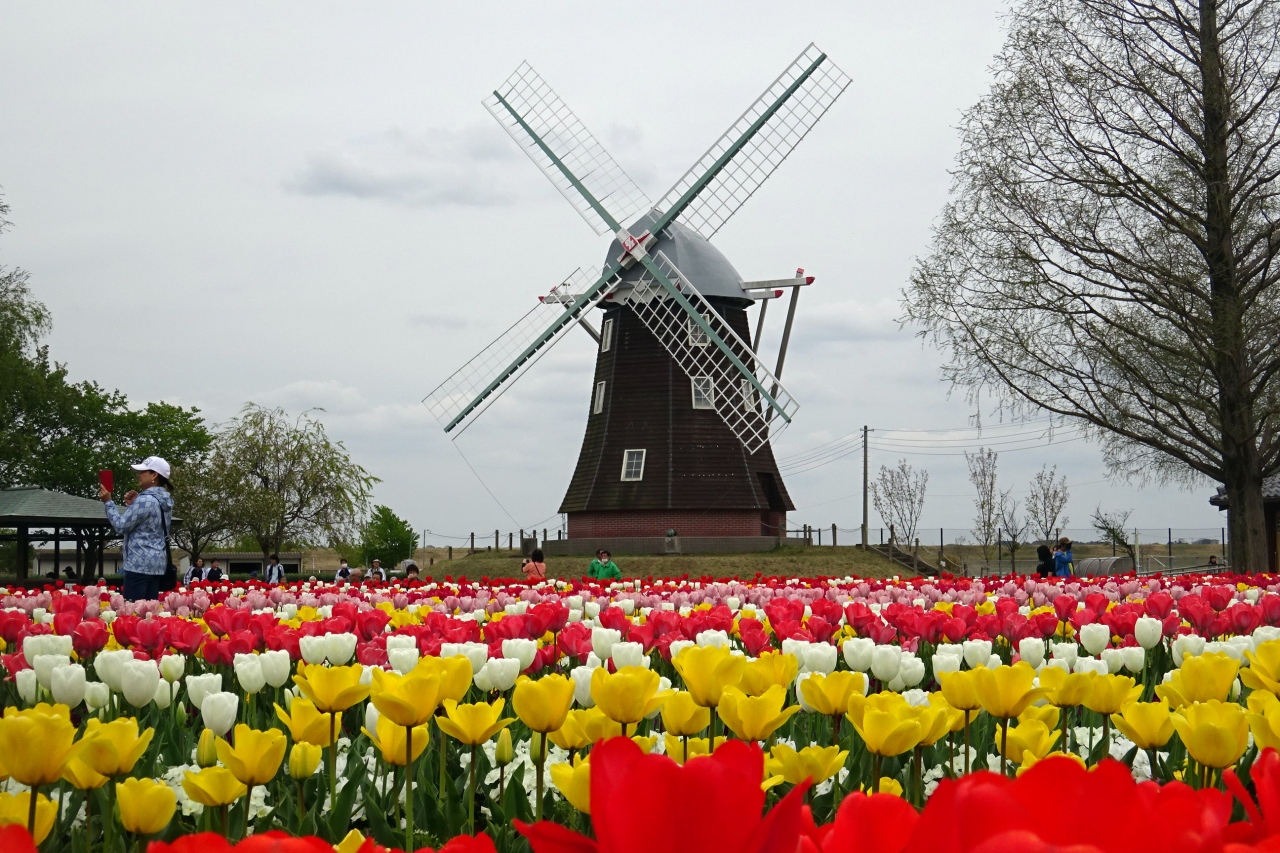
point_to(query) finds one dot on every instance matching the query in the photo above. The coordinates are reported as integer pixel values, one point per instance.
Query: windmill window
(633, 465)
(698, 336)
(748, 398)
(606, 335)
(704, 395)
(597, 405)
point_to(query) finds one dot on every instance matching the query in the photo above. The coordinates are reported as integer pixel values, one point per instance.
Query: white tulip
(945, 663)
(339, 648)
(276, 667)
(366, 676)
(733, 602)
(27, 685)
(1114, 659)
(96, 695)
(313, 649)
(110, 665)
(581, 676)
(138, 681)
(1095, 637)
(857, 653)
(664, 683)
(67, 684)
(820, 657)
(916, 698)
(475, 653)
(1031, 650)
(573, 602)
(804, 706)
(371, 717)
(1187, 645)
(218, 712)
(794, 646)
(200, 686)
(166, 692)
(1067, 652)
(976, 652)
(885, 662)
(910, 670)
(712, 638)
(603, 641)
(522, 650)
(956, 650)
(994, 662)
(401, 641)
(249, 673)
(1088, 664)
(44, 666)
(1135, 658)
(402, 660)
(629, 654)
(1148, 632)
(677, 646)
(172, 667)
(498, 674)
(1265, 633)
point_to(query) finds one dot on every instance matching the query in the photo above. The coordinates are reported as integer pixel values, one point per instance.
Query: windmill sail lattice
(813, 82)
(752, 404)
(525, 104)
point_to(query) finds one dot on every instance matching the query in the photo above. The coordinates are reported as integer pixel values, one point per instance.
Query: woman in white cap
(145, 527)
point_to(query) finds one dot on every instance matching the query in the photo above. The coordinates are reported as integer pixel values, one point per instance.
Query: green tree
(290, 481)
(204, 504)
(387, 537)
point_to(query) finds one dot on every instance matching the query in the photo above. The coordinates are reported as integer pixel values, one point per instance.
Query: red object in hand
(107, 479)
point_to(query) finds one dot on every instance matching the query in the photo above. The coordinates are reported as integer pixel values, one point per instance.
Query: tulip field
(768, 715)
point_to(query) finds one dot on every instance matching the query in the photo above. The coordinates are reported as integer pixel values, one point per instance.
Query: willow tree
(1108, 253)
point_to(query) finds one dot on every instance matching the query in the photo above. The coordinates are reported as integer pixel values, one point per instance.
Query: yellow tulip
(960, 689)
(889, 786)
(455, 674)
(1006, 691)
(599, 727)
(767, 670)
(1147, 724)
(574, 782)
(1066, 689)
(573, 734)
(306, 724)
(955, 717)
(683, 716)
(1264, 718)
(390, 740)
(213, 787)
(472, 724)
(331, 688)
(754, 717)
(814, 763)
(1047, 714)
(935, 723)
(1110, 693)
(1214, 733)
(707, 671)
(37, 744)
(81, 776)
(146, 805)
(406, 700)
(304, 760)
(1029, 759)
(888, 733)
(112, 749)
(829, 694)
(350, 843)
(15, 808)
(645, 742)
(1263, 671)
(884, 701)
(1201, 678)
(628, 695)
(1032, 737)
(698, 746)
(544, 704)
(256, 757)
(503, 752)
(207, 748)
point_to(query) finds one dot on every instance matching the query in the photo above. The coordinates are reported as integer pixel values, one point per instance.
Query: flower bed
(855, 714)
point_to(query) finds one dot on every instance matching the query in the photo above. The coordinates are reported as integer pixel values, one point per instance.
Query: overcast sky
(305, 205)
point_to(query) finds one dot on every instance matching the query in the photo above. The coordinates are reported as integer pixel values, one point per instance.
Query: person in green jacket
(604, 568)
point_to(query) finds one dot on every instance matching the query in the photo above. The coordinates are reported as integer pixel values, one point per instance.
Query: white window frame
(698, 336)
(626, 459)
(597, 404)
(606, 335)
(748, 396)
(709, 398)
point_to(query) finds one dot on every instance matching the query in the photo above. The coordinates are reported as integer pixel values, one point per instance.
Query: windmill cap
(153, 463)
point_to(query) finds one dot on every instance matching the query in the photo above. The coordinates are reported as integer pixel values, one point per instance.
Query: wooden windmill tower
(682, 409)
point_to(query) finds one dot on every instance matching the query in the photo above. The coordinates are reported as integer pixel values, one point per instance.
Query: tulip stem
(539, 764)
(31, 811)
(917, 772)
(966, 742)
(1106, 734)
(471, 795)
(875, 773)
(248, 802)
(333, 758)
(408, 786)
(302, 808)
(444, 754)
(1004, 746)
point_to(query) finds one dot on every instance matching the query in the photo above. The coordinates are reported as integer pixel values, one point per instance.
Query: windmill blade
(472, 388)
(754, 146)
(566, 152)
(746, 395)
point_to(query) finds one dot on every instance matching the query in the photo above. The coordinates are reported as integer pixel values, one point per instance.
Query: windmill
(682, 408)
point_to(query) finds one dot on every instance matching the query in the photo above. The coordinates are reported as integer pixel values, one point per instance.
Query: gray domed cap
(701, 262)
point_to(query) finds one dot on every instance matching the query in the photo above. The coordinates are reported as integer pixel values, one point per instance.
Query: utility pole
(864, 487)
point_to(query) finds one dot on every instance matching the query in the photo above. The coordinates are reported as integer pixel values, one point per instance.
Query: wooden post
(544, 537)
(79, 555)
(24, 556)
(450, 552)
(496, 534)
(473, 543)
(833, 536)
(57, 552)
(510, 539)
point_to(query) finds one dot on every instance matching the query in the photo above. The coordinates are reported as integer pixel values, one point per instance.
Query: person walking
(275, 571)
(1044, 564)
(535, 569)
(144, 525)
(603, 567)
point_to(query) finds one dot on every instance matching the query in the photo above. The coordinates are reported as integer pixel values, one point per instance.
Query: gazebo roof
(30, 506)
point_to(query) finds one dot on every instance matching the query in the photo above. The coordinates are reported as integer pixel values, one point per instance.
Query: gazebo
(41, 515)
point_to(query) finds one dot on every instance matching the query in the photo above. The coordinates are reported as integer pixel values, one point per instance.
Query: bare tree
(986, 503)
(1047, 501)
(898, 496)
(1013, 524)
(1112, 526)
(1109, 253)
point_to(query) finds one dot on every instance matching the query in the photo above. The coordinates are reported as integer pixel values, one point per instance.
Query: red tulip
(15, 839)
(89, 638)
(879, 823)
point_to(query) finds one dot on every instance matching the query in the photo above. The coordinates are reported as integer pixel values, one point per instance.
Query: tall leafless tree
(1109, 253)
(986, 501)
(1047, 502)
(1112, 526)
(898, 496)
(1013, 525)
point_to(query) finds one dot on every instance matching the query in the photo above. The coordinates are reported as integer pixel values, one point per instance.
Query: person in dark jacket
(1044, 566)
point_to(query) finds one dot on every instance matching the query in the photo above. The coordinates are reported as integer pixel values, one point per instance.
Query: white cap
(153, 463)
